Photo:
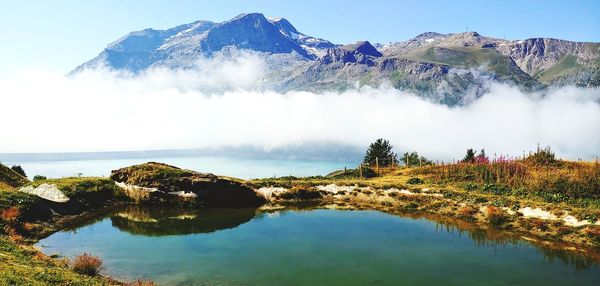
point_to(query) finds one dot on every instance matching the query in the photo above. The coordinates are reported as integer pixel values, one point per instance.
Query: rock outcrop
(46, 191)
(203, 189)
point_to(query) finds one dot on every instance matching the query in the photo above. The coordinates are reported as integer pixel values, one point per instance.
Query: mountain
(446, 68)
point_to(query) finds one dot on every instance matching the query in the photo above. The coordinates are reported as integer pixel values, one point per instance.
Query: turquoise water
(312, 247)
(245, 168)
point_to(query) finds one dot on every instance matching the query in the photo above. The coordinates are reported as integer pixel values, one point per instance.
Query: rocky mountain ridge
(446, 68)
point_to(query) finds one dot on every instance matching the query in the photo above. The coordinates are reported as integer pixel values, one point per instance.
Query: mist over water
(220, 104)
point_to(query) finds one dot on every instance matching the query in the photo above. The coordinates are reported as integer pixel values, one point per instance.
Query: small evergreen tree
(413, 159)
(39, 178)
(481, 158)
(381, 151)
(18, 170)
(470, 157)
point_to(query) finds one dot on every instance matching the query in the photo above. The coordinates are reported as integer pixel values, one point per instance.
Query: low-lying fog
(101, 110)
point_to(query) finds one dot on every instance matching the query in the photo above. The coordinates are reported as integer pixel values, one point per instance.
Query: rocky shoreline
(159, 184)
(533, 224)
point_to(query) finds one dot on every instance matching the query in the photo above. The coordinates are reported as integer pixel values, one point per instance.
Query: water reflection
(213, 247)
(551, 251)
(153, 221)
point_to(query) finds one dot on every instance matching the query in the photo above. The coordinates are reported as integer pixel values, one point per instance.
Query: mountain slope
(10, 178)
(447, 68)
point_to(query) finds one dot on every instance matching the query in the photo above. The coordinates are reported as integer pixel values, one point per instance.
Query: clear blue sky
(62, 34)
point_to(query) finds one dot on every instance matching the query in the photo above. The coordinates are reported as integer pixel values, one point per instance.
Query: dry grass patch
(87, 264)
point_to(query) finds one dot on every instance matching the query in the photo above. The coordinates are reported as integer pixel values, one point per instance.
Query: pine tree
(380, 151)
(470, 157)
(18, 170)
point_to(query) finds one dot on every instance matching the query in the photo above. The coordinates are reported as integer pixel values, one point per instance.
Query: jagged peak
(363, 47)
(249, 16)
(284, 25)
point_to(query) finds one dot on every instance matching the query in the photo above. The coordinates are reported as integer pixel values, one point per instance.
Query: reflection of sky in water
(321, 247)
(236, 167)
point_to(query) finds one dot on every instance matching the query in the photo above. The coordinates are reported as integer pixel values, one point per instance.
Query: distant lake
(239, 167)
(311, 247)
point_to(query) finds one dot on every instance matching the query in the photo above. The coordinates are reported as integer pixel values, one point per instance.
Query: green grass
(92, 191)
(464, 57)
(13, 198)
(79, 186)
(22, 265)
(149, 172)
(566, 66)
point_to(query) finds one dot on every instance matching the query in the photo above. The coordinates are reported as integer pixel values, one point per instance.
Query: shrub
(471, 186)
(39, 178)
(591, 217)
(495, 189)
(500, 202)
(87, 264)
(467, 212)
(496, 216)
(413, 159)
(564, 230)
(10, 215)
(593, 232)
(538, 224)
(412, 206)
(542, 157)
(368, 172)
(19, 170)
(415, 181)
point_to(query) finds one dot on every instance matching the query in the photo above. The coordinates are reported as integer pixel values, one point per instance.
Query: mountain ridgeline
(445, 68)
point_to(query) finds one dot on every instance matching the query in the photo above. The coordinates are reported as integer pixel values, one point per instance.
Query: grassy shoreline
(489, 197)
(559, 202)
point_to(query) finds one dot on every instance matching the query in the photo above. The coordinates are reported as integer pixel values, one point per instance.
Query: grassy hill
(467, 57)
(10, 178)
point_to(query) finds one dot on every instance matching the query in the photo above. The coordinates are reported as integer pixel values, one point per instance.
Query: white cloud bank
(106, 111)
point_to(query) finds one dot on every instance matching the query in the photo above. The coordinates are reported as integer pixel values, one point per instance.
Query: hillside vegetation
(10, 178)
(489, 193)
(22, 264)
